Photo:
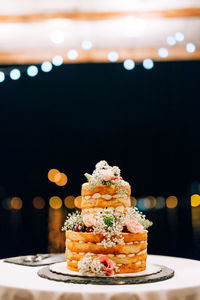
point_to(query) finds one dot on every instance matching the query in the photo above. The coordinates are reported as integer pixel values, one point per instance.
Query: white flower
(107, 174)
(102, 165)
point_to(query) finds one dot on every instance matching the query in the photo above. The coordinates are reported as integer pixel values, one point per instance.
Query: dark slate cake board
(164, 274)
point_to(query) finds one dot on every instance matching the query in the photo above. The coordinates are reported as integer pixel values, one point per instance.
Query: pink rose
(88, 220)
(107, 175)
(107, 264)
(134, 226)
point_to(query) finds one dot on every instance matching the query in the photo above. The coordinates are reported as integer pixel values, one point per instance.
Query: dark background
(144, 121)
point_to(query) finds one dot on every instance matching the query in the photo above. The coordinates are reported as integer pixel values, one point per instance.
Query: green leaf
(108, 220)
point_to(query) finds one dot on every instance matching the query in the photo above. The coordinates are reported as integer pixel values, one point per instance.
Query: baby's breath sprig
(72, 220)
(98, 178)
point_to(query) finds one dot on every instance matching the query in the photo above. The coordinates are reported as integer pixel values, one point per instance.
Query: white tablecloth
(23, 283)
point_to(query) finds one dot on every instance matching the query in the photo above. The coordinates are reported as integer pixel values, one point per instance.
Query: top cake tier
(105, 188)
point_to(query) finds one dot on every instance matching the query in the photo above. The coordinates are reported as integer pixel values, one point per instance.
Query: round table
(22, 283)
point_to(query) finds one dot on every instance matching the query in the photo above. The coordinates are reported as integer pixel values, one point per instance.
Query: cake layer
(103, 189)
(97, 238)
(117, 258)
(99, 248)
(122, 268)
(102, 203)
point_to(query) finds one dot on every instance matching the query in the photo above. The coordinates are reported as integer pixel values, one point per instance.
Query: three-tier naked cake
(107, 236)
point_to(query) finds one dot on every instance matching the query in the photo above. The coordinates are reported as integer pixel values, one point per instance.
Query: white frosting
(104, 196)
(142, 252)
(96, 195)
(121, 255)
(131, 255)
(119, 209)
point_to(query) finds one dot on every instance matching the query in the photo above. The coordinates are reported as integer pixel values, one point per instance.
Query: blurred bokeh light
(195, 200)
(38, 202)
(16, 203)
(171, 202)
(52, 173)
(133, 201)
(69, 202)
(61, 179)
(55, 202)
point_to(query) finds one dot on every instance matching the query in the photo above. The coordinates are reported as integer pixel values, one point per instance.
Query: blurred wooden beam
(37, 17)
(97, 55)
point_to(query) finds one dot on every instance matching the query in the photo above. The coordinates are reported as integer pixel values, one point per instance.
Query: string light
(15, 74)
(148, 63)
(86, 45)
(113, 56)
(190, 47)
(171, 40)
(163, 52)
(179, 36)
(72, 54)
(32, 71)
(57, 37)
(129, 64)
(57, 60)
(2, 76)
(46, 66)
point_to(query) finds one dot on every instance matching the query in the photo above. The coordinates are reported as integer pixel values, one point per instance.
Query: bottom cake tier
(129, 257)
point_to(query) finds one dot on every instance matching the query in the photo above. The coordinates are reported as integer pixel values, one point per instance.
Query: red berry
(121, 178)
(77, 229)
(125, 229)
(90, 229)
